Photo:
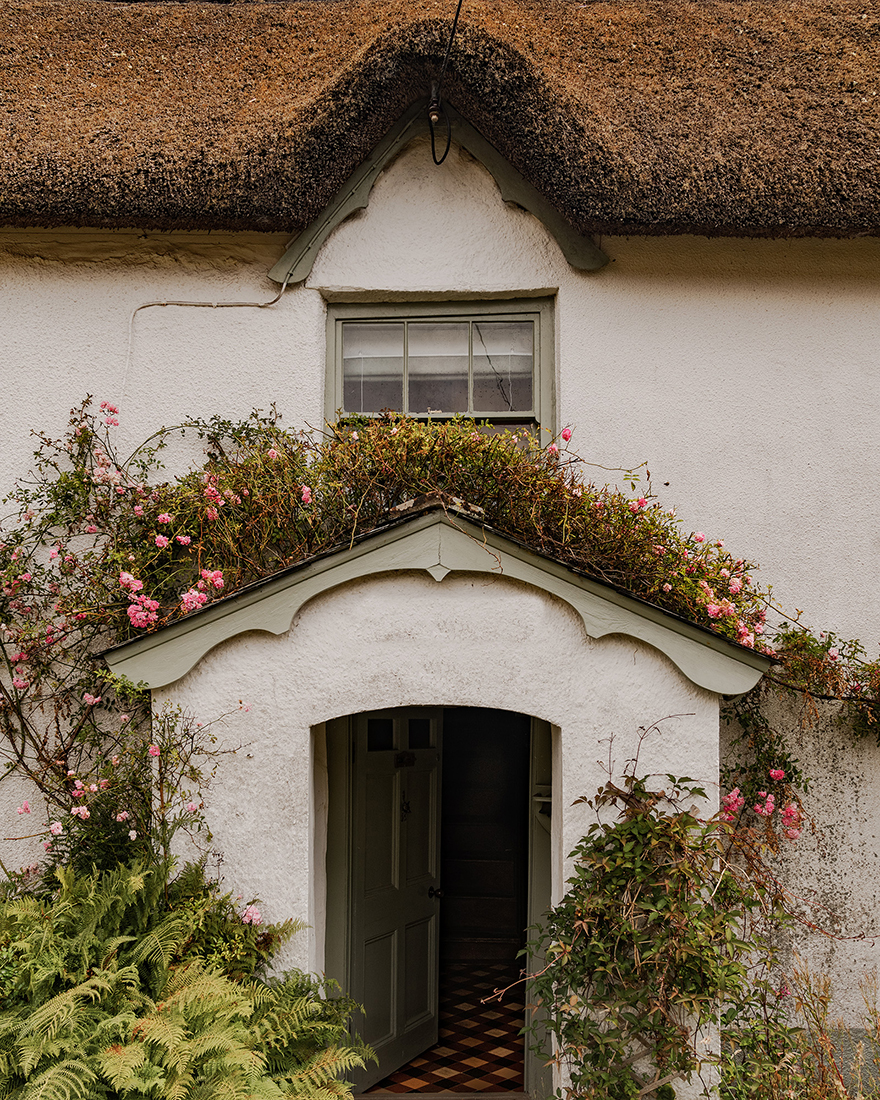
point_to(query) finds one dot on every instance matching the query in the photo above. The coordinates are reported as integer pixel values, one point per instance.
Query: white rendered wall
(742, 371)
(407, 640)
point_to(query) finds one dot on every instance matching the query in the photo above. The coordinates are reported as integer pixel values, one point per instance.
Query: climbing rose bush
(100, 548)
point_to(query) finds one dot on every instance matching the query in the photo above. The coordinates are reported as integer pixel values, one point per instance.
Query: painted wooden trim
(541, 310)
(439, 542)
(297, 262)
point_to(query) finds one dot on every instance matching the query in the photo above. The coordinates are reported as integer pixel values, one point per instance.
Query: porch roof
(438, 539)
(742, 118)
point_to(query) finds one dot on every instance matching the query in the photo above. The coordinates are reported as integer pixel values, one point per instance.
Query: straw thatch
(635, 116)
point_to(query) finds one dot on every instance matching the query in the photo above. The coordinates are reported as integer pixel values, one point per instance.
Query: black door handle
(432, 893)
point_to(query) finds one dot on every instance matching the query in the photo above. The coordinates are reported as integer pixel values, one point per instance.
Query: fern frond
(160, 945)
(70, 1080)
(118, 1063)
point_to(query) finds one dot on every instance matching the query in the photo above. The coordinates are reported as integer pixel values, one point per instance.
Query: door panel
(395, 858)
(379, 989)
(381, 815)
(420, 993)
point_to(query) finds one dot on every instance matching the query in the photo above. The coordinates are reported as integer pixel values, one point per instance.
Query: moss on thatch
(631, 116)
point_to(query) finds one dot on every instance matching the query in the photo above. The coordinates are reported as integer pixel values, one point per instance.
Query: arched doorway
(438, 859)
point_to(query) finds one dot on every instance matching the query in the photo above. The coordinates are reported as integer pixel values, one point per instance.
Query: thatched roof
(744, 117)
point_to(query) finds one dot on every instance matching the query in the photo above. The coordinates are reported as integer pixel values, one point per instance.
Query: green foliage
(267, 497)
(130, 984)
(104, 547)
(653, 937)
(827, 667)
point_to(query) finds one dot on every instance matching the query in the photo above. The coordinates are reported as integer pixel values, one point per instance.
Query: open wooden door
(395, 866)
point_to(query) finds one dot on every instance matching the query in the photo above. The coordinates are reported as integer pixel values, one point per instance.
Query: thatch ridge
(737, 117)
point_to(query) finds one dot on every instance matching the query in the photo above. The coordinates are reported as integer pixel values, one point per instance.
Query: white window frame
(538, 310)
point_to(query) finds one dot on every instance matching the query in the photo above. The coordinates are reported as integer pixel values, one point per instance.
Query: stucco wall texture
(742, 371)
(407, 640)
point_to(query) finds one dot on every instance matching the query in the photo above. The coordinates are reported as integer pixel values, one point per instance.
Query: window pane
(420, 733)
(372, 366)
(380, 734)
(438, 367)
(503, 361)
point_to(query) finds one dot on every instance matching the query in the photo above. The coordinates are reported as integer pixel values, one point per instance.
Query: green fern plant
(129, 984)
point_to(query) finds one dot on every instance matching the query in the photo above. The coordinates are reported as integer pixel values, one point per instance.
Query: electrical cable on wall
(194, 305)
(435, 107)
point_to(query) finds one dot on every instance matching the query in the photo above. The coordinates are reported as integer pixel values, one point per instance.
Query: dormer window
(488, 360)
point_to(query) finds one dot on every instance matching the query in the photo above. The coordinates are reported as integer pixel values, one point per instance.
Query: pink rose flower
(162, 541)
(306, 495)
(699, 537)
(566, 434)
(164, 518)
(154, 750)
(24, 808)
(272, 453)
(552, 449)
(91, 700)
(251, 915)
(192, 599)
(56, 828)
(184, 540)
(777, 774)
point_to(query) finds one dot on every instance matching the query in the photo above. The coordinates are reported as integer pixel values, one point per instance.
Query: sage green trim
(538, 1074)
(338, 858)
(539, 310)
(438, 542)
(296, 263)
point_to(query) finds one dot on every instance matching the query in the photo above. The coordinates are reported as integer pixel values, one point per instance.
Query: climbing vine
(666, 928)
(102, 547)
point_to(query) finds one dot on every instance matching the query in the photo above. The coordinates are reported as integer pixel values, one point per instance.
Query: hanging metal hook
(435, 106)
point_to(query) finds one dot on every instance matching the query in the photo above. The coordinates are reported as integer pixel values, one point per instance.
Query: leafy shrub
(652, 939)
(127, 983)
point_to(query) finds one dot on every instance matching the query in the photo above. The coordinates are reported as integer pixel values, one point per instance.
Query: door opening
(445, 859)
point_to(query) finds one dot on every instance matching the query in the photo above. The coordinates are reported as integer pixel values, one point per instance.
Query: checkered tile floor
(480, 1049)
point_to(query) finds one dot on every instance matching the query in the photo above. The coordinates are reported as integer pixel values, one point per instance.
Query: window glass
(380, 734)
(490, 360)
(420, 733)
(372, 366)
(438, 357)
(503, 365)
